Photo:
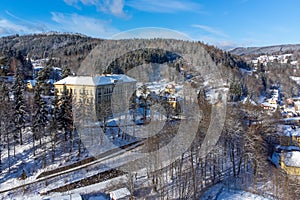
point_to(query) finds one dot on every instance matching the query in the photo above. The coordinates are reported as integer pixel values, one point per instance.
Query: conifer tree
(19, 111)
(40, 115)
(66, 72)
(54, 122)
(5, 109)
(42, 78)
(85, 113)
(6, 120)
(65, 115)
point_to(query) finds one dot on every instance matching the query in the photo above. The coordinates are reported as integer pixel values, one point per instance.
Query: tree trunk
(21, 137)
(8, 148)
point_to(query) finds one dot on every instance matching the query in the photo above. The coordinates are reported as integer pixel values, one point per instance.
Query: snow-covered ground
(32, 165)
(220, 192)
(238, 195)
(24, 159)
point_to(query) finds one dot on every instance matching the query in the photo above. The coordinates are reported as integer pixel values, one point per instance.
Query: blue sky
(222, 23)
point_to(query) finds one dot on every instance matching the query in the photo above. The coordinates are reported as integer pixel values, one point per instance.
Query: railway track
(88, 160)
(48, 175)
(100, 177)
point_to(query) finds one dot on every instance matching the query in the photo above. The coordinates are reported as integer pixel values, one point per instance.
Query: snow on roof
(76, 80)
(94, 80)
(120, 193)
(292, 158)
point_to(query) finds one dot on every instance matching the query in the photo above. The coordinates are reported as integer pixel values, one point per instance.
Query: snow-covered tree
(19, 111)
(42, 78)
(54, 122)
(4, 106)
(81, 114)
(40, 118)
(65, 115)
(66, 72)
(6, 120)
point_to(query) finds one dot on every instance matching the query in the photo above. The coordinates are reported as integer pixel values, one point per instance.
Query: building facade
(97, 91)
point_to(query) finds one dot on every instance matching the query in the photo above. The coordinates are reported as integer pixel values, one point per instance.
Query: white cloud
(164, 6)
(214, 36)
(71, 2)
(8, 27)
(225, 44)
(85, 25)
(210, 30)
(114, 7)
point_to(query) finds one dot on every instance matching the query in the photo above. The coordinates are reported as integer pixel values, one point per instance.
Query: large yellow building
(98, 89)
(290, 162)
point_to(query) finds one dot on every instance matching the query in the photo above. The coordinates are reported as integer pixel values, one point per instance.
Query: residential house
(31, 84)
(170, 89)
(290, 162)
(272, 101)
(288, 159)
(286, 155)
(289, 135)
(297, 106)
(268, 106)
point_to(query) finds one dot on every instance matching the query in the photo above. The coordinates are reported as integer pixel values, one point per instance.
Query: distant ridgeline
(71, 49)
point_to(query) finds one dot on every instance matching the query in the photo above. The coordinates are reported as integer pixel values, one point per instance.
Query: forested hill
(71, 49)
(266, 50)
(68, 49)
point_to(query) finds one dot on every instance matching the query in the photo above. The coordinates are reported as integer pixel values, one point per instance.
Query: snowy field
(220, 192)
